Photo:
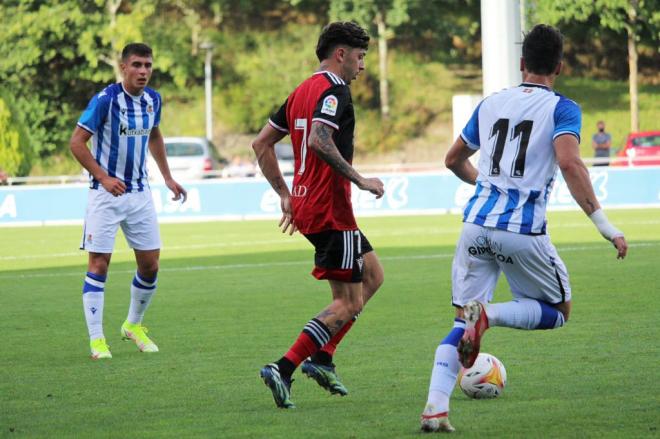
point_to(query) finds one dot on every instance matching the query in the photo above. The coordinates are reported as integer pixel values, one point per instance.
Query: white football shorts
(134, 212)
(530, 263)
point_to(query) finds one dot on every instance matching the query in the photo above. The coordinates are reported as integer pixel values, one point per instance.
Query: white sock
(141, 292)
(524, 314)
(93, 295)
(445, 369)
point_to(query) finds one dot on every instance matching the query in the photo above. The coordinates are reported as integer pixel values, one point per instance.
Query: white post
(501, 44)
(208, 91)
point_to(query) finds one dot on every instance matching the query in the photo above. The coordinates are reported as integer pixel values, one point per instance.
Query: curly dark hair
(139, 49)
(543, 49)
(347, 33)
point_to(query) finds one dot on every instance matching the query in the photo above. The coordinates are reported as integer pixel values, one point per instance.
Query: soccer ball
(485, 379)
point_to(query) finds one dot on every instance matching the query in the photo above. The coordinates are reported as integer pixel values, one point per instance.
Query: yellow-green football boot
(138, 333)
(100, 349)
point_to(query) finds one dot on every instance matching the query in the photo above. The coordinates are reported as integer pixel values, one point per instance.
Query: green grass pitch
(232, 296)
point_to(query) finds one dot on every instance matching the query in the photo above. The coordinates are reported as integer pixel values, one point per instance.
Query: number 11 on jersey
(301, 124)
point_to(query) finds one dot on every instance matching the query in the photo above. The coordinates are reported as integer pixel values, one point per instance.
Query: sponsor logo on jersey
(360, 262)
(124, 131)
(299, 190)
(329, 106)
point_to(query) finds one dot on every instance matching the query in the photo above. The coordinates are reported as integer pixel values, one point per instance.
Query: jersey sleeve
(95, 113)
(470, 133)
(568, 118)
(278, 120)
(331, 105)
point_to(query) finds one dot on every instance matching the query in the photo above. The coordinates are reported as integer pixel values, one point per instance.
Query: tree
(15, 151)
(385, 15)
(631, 16)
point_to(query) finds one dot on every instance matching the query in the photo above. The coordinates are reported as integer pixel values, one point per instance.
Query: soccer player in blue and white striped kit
(524, 134)
(123, 124)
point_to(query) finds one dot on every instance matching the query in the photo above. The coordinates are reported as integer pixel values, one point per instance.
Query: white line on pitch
(306, 262)
(389, 233)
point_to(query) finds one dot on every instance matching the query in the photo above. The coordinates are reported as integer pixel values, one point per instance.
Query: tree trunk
(382, 65)
(112, 7)
(632, 65)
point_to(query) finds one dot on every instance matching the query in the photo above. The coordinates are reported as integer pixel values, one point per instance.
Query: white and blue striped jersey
(515, 130)
(120, 125)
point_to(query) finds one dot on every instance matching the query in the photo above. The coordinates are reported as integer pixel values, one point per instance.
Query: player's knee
(149, 270)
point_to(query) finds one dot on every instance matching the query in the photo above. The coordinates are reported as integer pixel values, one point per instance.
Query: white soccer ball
(485, 379)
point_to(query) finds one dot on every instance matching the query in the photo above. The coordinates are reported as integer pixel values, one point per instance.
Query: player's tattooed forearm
(321, 136)
(592, 206)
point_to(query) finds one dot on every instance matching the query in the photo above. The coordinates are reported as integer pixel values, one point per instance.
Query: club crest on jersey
(329, 106)
(150, 109)
(89, 238)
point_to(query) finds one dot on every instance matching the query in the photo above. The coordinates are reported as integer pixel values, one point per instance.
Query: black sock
(322, 357)
(286, 367)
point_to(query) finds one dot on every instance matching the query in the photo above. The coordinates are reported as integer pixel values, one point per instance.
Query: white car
(189, 158)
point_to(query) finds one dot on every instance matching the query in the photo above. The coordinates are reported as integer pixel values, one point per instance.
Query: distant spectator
(3, 178)
(601, 142)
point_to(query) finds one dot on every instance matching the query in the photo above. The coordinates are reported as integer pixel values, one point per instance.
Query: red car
(642, 149)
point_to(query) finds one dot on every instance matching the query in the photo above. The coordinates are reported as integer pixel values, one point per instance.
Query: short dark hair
(139, 49)
(347, 33)
(543, 49)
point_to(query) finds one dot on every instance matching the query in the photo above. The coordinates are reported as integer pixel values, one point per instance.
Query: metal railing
(619, 162)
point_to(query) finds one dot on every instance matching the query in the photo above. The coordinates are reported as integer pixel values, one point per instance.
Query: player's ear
(522, 64)
(340, 53)
(559, 67)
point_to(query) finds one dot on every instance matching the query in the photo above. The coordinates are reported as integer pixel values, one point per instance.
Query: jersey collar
(532, 84)
(126, 91)
(336, 77)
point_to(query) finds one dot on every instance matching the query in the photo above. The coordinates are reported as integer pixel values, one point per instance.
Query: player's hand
(113, 185)
(621, 246)
(373, 185)
(178, 190)
(286, 222)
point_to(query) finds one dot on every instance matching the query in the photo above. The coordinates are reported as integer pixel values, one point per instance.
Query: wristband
(604, 226)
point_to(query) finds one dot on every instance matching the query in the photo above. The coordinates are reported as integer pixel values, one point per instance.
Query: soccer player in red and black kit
(319, 117)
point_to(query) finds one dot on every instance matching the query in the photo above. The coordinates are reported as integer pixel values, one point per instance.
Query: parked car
(189, 158)
(641, 149)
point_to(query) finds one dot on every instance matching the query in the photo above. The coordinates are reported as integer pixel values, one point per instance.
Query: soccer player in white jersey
(524, 133)
(122, 122)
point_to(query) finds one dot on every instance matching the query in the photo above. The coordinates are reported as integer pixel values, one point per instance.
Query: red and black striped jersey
(321, 197)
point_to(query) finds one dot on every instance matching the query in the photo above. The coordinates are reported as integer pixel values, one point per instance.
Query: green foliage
(15, 152)
(268, 66)
(608, 101)
(596, 34)
(394, 12)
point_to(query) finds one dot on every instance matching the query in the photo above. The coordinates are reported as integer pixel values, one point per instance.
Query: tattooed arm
(577, 179)
(575, 173)
(320, 141)
(264, 148)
